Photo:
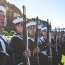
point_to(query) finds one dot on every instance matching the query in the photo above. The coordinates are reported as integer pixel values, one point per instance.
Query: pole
(25, 34)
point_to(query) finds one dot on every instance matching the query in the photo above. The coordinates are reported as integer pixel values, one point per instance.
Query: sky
(54, 10)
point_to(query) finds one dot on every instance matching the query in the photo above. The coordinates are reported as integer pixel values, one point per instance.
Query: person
(31, 27)
(4, 43)
(54, 48)
(19, 54)
(57, 52)
(44, 47)
(43, 37)
(50, 48)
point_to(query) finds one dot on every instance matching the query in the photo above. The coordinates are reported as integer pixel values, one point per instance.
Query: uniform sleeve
(18, 49)
(31, 45)
(16, 45)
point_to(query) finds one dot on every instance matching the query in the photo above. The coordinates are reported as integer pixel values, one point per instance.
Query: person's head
(44, 31)
(31, 27)
(18, 25)
(3, 21)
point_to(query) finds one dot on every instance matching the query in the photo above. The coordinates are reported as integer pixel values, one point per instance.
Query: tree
(11, 9)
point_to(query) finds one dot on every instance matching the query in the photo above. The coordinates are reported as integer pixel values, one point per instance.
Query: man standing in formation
(5, 55)
(44, 47)
(17, 45)
(31, 27)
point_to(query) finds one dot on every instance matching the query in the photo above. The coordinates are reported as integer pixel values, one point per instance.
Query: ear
(17, 27)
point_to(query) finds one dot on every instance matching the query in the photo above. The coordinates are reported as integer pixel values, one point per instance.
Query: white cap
(44, 28)
(40, 26)
(18, 20)
(2, 9)
(31, 23)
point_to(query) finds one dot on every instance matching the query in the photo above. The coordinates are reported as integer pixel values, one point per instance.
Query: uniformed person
(17, 45)
(56, 51)
(44, 47)
(51, 49)
(54, 47)
(44, 35)
(31, 27)
(4, 43)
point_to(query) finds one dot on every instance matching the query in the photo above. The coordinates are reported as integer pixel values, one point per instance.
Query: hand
(27, 53)
(36, 50)
(50, 44)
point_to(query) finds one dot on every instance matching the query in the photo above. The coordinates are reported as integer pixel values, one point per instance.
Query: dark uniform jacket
(43, 57)
(17, 48)
(32, 45)
(5, 51)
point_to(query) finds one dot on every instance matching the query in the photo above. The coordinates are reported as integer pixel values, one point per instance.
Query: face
(44, 33)
(19, 28)
(32, 30)
(2, 20)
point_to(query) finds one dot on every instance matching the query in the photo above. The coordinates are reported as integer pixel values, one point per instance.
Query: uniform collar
(31, 38)
(43, 37)
(1, 33)
(19, 34)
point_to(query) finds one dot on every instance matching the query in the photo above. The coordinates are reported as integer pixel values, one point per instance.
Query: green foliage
(6, 33)
(9, 37)
(12, 33)
(11, 9)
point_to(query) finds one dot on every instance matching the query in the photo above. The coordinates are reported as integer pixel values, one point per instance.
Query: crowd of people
(36, 51)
